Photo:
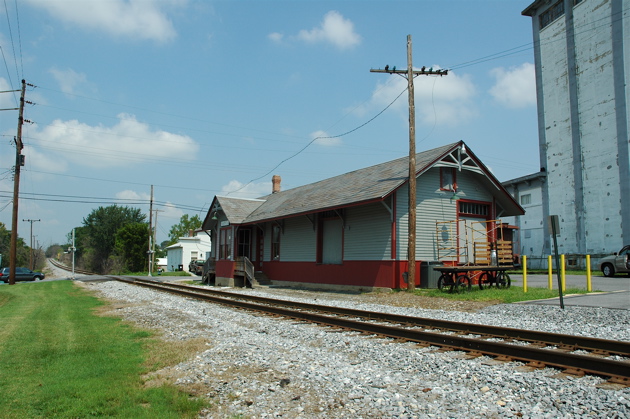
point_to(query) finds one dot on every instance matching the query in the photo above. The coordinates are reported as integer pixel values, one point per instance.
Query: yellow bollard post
(589, 284)
(524, 273)
(563, 278)
(549, 273)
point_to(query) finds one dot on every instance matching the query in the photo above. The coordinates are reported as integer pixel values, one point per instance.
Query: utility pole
(409, 73)
(73, 249)
(155, 223)
(150, 252)
(30, 261)
(19, 161)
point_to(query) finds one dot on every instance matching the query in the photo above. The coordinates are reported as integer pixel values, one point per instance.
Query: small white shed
(187, 249)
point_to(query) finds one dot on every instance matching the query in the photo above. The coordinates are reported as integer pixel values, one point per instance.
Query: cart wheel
(463, 283)
(503, 280)
(485, 280)
(442, 281)
(447, 282)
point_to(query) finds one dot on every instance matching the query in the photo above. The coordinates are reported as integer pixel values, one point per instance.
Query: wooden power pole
(150, 251)
(19, 161)
(30, 259)
(409, 73)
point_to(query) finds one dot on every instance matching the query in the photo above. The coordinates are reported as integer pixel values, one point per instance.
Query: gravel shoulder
(263, 367)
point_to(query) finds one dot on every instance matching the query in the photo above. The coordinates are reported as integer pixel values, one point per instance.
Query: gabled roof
(360, 186)
(235, 209)
(238, 209)
(370, 184)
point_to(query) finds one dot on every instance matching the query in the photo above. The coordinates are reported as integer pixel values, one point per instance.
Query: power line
(530, 45)
(6, 10)
(94, 200)
(321, 138)
(19, 34)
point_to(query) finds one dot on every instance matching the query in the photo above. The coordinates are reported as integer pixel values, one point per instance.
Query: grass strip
(59, 359)
(500, 295)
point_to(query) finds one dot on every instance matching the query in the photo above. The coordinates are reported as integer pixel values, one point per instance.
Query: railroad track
(542, 349)
(60, 265)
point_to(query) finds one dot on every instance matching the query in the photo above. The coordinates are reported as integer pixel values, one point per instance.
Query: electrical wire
(321, 138)
(96, 200)
(6, 10)
(19, 34)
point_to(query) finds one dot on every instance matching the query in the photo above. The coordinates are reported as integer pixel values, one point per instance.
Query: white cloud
(275, 37)
(166, 211)
(171, 212)
(101, 146)
(237, 189)
(68, 79)
(334, 29)
(515, 87)
(438, 100)
(142, 19)
(323, 138)
(38, 159)
(129, 195)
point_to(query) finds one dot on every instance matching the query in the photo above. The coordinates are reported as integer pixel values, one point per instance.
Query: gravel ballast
(263, 367)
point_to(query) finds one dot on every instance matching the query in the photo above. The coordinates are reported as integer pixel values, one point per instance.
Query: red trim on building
(367, 273)
(225, 268)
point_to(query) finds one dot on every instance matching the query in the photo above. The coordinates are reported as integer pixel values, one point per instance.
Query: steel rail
(616, 371)
(67, 268)
(566, 342)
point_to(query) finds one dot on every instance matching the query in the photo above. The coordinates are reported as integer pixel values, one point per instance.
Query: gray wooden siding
(367, 235)
(299, 241)
(267, 243)
(433, 205)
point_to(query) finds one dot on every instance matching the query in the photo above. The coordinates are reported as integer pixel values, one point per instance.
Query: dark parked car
(21, 274)
(617, 263)
(196, 267)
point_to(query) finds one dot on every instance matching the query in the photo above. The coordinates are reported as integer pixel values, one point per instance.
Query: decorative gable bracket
(461, 160)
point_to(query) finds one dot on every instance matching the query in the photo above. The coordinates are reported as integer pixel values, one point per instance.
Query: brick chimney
(275, 180)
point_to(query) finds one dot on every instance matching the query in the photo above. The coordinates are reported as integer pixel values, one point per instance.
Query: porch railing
(243, 264)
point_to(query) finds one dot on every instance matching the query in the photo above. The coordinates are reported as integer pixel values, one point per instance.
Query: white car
(618, 262)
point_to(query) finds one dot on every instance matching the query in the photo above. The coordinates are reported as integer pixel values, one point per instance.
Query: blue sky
(205, 98)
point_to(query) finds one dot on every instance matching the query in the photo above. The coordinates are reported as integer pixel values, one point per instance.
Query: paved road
(614, 292)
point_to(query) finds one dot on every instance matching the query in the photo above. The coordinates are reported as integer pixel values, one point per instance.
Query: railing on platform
(244, 265)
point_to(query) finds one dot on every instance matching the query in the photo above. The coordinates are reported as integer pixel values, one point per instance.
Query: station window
(474, 209)
(275, 242)
(447, 179)
(225, 244)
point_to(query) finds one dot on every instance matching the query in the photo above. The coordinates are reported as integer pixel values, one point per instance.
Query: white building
(187, 249)
(582, 70)
(527, 191)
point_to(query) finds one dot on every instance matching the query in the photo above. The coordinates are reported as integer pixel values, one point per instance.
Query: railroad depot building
(351, 230)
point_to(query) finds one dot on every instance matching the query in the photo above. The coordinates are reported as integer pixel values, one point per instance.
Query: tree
(54, 250)
(97, 237)
(22, 250)
(183, 227)
(132, 243)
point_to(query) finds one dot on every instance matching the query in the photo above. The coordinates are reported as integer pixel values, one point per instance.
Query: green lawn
(59, 359)
(509, 295)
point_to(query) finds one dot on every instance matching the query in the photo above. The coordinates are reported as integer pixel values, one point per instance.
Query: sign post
(554, 225)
